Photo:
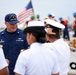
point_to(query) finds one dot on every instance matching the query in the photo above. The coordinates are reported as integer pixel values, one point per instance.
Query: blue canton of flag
(29, 6)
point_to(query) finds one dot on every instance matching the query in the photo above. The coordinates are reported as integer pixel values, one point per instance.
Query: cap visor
(54, 23)
(34, 29)
(14, 22)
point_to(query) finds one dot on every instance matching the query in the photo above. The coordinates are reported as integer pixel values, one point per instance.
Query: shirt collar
(36, 44)
(3, 32)
(59, 40)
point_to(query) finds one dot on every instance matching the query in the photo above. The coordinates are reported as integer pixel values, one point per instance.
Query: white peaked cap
(54, 23)
(35, 23)
(35, 26)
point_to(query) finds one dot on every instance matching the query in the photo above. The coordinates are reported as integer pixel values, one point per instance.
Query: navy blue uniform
(65, 31)
(12, 45)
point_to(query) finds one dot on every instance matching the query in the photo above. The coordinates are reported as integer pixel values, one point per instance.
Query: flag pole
(32, 8)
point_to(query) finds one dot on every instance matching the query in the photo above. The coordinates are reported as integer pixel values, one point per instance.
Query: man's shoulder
(20, 31)
(48, 44)
(2, 32)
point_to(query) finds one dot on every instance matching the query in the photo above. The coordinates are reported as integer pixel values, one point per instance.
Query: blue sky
(61, 8)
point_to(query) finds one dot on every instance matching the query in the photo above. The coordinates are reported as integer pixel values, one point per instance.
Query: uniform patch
(19, 39)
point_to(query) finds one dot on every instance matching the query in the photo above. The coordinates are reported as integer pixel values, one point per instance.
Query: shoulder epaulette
(1, 46)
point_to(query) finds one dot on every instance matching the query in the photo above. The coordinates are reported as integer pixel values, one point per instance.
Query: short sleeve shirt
(3, 62)
(62, 50)
(38, 60)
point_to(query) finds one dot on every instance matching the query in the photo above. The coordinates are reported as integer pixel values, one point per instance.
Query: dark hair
(55, 30)
(40, 37)
(38, 32)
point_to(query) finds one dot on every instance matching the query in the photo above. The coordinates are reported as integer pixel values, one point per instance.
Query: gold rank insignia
(1, 46)
(48, 26)
(22, 50)
(19, 38)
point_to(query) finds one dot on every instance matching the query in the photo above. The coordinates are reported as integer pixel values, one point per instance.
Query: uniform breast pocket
(19, 43)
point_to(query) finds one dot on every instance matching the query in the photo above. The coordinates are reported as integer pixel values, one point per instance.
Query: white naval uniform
(38, 60)
(3, 62)
(62, 50)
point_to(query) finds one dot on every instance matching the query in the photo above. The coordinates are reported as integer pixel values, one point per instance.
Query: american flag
(25, 13)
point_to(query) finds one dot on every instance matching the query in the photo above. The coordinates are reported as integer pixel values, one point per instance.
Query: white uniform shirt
(38, 60)
(3, 62)
(62, 51)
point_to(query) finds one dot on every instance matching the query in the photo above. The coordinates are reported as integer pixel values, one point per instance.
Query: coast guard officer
(13, 40)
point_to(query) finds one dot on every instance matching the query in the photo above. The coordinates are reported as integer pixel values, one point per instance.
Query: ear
(31, 36)
(47, 38)
(6, 23)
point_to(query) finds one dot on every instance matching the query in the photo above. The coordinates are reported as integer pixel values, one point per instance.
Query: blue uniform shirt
(12, 44)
